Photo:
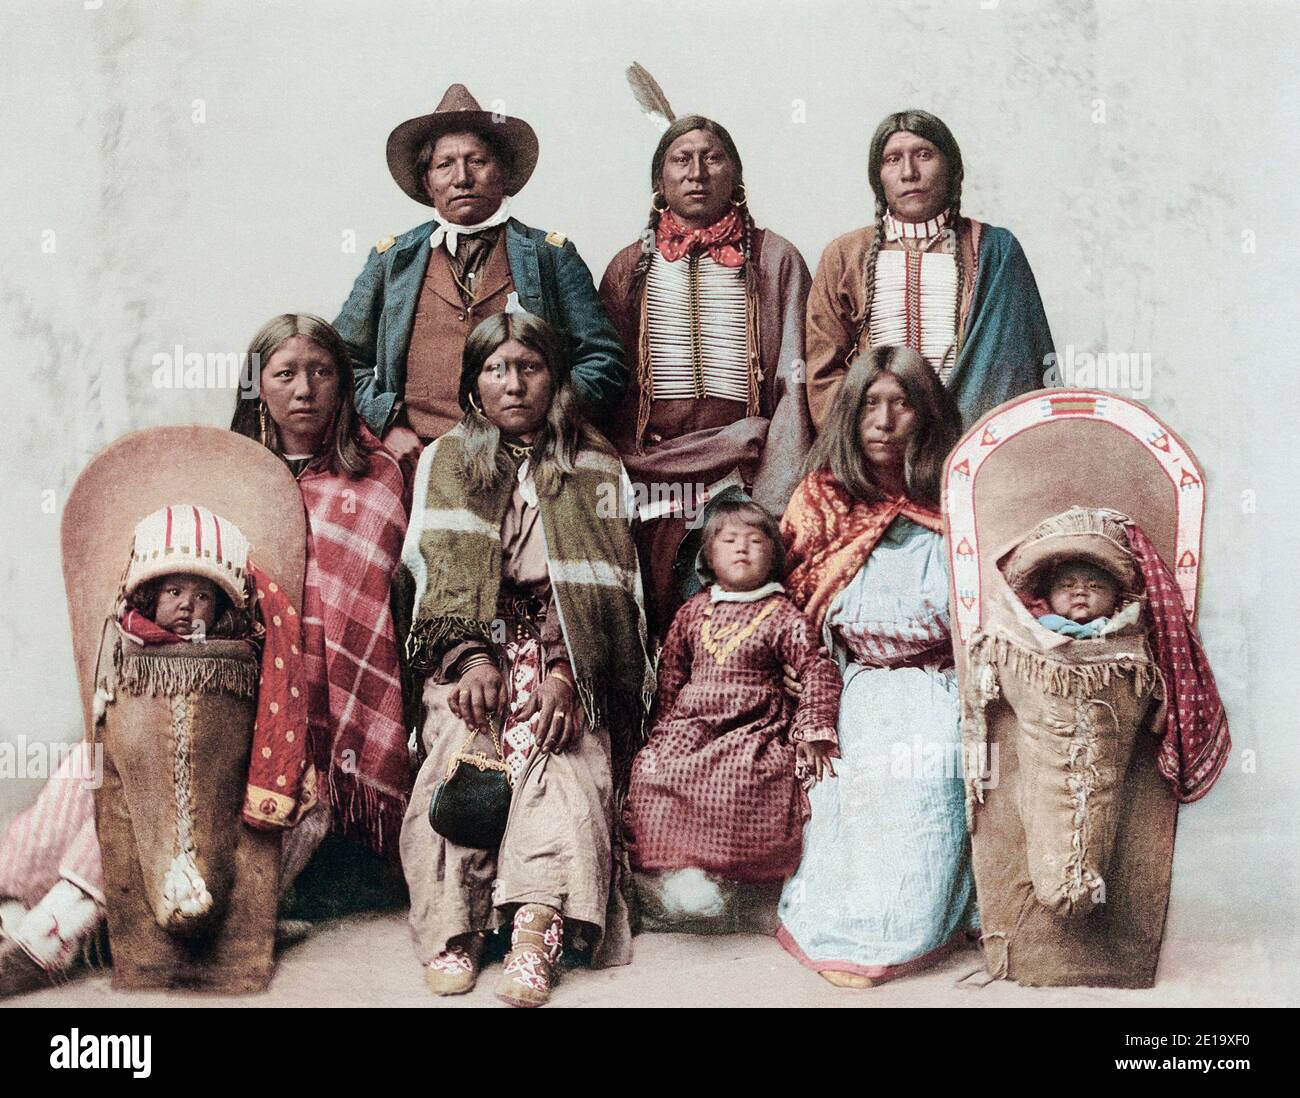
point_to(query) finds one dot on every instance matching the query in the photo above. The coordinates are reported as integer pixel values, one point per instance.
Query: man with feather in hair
(710, 308)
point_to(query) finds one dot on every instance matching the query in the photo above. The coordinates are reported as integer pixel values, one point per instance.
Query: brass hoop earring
(743, 200)
(654, 199)
(474, 405)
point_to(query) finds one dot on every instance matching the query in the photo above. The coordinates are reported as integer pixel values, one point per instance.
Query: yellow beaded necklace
(730, 637)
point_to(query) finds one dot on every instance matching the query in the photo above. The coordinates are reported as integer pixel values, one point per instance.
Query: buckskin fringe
(172, 676)
(974, 722)
(989, 651)
(429, 635)
(1065, 680)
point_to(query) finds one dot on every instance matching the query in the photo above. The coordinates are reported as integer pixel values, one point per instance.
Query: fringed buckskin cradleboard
(178, 729)
(1072, 825)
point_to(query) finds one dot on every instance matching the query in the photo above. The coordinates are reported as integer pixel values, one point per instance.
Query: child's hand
(812, 762)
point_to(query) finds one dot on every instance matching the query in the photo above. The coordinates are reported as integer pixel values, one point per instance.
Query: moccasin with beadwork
(455, 970)
(530, 967)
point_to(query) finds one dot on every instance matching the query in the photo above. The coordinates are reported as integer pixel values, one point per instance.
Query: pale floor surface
(1232, 939)
(366, 960)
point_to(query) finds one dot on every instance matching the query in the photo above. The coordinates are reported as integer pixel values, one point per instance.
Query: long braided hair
(926, 125)
(680, 128)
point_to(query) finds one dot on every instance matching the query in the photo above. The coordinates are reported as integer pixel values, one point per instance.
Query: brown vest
(442, 324)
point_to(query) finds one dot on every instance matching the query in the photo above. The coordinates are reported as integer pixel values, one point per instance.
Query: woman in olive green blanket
(529, 626)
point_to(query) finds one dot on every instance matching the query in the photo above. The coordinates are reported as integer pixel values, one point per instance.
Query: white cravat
(527, 488)
(450, 233)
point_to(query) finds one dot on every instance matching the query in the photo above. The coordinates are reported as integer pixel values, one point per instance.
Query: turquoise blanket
(1004, 353)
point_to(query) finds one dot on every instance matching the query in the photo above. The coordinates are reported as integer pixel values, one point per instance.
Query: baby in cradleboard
(176, 607)
(60, 875)
(1077, 598)
(189, 580)
(717, 802)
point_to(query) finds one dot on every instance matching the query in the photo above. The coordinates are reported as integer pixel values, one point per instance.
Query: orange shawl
(829, 535)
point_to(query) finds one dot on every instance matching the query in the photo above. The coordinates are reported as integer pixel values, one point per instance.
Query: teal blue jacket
(551, 280)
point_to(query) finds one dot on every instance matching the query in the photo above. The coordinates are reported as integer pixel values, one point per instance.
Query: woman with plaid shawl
(357, 504)
(356, 501)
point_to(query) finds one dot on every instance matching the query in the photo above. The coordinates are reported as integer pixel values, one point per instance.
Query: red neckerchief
(721, 239)
(1195, 741)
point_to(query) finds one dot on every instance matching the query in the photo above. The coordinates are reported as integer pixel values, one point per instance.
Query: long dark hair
(342, 451)
(938, 427)
(563, 431)
(688, 124)
(926, 125)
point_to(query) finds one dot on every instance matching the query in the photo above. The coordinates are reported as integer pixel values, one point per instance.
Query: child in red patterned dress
(718, 794)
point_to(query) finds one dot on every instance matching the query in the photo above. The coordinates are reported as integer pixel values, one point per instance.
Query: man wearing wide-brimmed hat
(422, 293)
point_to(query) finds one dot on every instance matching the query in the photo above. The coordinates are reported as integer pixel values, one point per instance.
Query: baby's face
(1081, 592)
(741, 557)
(186, 605)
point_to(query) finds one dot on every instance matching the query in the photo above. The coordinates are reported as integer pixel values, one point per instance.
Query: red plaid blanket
(358, 733)
(1196, 742)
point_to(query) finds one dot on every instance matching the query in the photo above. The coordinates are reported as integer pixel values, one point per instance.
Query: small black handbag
(471, 804)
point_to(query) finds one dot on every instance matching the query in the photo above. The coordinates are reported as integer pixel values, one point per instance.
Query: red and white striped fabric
(55, 838)
(354, 684)
(187, 538)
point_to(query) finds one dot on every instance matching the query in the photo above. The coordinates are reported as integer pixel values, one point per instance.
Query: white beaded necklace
(914, 230)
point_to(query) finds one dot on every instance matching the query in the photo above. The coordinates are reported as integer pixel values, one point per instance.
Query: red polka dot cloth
(1195, 743)
(281, 777)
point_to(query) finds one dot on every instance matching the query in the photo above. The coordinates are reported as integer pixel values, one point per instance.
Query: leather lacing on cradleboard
(180, 678)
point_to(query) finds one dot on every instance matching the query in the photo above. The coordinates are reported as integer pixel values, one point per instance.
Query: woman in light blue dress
(885, 885)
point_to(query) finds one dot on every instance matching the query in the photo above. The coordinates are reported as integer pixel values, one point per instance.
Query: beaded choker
(914, 230)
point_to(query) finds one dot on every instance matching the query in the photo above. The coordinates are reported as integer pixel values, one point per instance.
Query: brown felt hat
(1093, 534)
(460, 112)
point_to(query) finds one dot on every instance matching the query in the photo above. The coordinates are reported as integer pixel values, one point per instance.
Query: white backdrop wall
(178, 173)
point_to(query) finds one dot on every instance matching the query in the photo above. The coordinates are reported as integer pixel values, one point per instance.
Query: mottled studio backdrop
(177, 173)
